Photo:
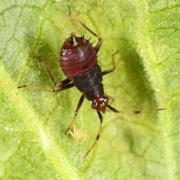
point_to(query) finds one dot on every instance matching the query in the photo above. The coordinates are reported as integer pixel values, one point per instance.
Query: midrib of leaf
(147, 51)
(53, 152)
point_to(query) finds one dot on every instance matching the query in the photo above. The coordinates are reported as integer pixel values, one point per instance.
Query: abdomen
(91, 83)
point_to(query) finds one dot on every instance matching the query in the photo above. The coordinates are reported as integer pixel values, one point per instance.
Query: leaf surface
(33, 122)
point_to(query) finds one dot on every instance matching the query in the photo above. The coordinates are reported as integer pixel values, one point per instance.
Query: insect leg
(98, 45)
(76, 113)
(61, 85)
(63, 82)
(98, 134)
(58, 87)
(35, 88)
(113, 63)
(39, 88)
(50, 75)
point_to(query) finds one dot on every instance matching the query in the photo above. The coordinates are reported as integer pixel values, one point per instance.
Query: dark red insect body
(78, 60)
(77, 56)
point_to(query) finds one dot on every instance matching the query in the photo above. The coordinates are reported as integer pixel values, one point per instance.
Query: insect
(79, 62)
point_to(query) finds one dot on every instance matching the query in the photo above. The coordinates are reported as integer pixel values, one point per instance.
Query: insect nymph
(78, 60)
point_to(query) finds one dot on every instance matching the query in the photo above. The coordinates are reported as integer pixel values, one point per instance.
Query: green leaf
(32, 123)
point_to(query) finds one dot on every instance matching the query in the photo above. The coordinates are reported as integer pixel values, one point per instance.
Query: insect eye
(73, 41)
(102, 102)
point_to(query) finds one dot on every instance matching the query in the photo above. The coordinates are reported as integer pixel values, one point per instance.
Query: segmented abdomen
(91, 83)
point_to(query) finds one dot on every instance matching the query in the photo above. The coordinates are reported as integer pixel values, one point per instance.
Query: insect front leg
(71, 125)
(98, 134)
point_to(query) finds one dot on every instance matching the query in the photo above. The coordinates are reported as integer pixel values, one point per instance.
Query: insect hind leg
(98, 45)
